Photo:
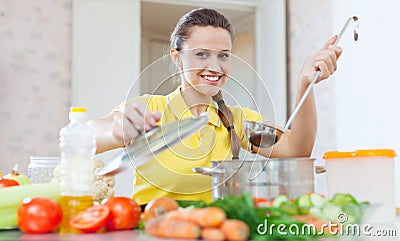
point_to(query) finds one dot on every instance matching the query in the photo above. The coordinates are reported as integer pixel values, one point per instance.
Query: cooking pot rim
(267, 159)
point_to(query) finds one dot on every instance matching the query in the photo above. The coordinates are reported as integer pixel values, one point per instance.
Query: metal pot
(265, 178)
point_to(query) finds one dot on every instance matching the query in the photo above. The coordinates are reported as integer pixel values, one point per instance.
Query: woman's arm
(119, 128)
(299, 140)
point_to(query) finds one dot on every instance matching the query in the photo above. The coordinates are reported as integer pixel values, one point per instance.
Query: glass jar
(41, 168)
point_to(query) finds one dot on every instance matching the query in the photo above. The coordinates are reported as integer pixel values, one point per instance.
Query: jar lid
(360, 153)
(44, 160)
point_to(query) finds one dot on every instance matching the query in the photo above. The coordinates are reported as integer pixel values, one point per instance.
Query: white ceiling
(160, 19)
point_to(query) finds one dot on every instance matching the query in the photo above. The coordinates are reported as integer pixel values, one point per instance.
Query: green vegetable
(242, 208)
(330, 212)
(22, 179)
(317, 200)
(8, 218)
(191, 203)
(309, 201)
(290, 208)
(12, 197)
(140, 225)
(282, 211)
(279, 200)
(303, 203)
(348, 205)
(341, 199)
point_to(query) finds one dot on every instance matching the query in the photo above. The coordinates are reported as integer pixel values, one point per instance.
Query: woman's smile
(211, 79)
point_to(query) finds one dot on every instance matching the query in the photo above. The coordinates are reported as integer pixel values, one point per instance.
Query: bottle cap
(78, 113)
(78, 109)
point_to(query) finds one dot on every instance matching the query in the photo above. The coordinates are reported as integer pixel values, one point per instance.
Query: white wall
(105, 61)
(271, 59)
(105, 52)
(367, 85)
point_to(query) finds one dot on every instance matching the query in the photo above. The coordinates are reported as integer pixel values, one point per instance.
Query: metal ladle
(265, 135)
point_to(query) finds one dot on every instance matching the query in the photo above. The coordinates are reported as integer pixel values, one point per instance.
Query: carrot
(214, 234)
(153, 226)
(183, 214)
(166, 228)
(235, 230)
(159, 206)
(204, 217)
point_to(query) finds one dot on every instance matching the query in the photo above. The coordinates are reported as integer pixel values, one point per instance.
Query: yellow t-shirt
(170, 172)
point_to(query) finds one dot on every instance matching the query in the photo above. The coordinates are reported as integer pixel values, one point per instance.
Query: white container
(397, 176)
(368, 175)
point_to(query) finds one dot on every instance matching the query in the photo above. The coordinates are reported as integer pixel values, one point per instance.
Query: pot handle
(208, 171)
(320, 169)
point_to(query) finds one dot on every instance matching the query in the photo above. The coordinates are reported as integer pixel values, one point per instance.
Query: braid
(226, 117)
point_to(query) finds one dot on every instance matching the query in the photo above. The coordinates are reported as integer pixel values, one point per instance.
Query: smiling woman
(114, 43)
(201, 50)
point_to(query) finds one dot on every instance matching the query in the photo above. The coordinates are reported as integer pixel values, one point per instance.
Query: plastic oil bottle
(77, 150)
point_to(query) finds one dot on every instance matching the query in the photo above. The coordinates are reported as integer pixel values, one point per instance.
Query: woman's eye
(223, 55)
(201, 54)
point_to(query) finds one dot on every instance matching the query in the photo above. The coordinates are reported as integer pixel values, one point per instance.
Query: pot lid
(147, 146)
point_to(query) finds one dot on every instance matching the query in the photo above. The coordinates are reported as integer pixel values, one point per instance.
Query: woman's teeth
(211, 78)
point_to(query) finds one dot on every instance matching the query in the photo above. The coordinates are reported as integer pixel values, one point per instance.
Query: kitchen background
(58, 53)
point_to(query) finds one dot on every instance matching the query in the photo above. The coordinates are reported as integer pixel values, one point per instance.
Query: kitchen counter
(106, 236)
(9, 235)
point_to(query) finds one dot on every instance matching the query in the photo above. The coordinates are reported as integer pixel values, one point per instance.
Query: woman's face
(205, 59)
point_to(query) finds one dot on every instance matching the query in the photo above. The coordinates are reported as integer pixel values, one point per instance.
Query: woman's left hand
(324, 59)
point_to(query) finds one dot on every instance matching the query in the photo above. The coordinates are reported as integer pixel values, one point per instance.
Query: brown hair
(202, 17)
(226, 117)
(207, 17)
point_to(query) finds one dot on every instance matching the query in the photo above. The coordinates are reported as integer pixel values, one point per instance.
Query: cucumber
(12, 197)
(303, 203)
(279, 200)
(317, 200)
(354, 213)
(341, 199)
(290, 208)
(330, 212)
(316, 211)
(8, 218)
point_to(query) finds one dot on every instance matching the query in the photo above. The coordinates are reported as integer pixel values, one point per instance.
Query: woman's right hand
(131, 120)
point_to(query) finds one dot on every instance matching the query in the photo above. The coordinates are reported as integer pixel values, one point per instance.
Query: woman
(201, 47)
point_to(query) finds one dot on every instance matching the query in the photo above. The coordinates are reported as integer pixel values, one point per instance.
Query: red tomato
(91, 220)
(8, 182)
(261, 202)
(39, 215)
(124, 213)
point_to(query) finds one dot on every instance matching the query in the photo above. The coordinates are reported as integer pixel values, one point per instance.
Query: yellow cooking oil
(71, 206)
